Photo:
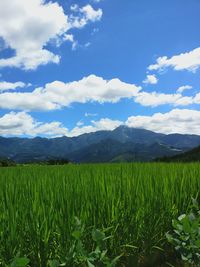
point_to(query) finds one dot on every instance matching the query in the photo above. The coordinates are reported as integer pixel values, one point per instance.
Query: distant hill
(6, 162)
(121, 144)
(189, 156)
(114, 151)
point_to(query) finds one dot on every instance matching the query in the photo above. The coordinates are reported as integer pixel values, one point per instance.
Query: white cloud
(58, 94)
(183, 88)
(52, 129)
(91, 14)
(184, 101)
(155, 99)
(79, 123)
(85, 14)
(183, 121)
(4, 86)
(101, 125)
(30, 61)
(27, 26)
(151, 79)
(21, 123)
(90, 114)
(70, 38)
(186, 61)
(196, 99)
(26, 101)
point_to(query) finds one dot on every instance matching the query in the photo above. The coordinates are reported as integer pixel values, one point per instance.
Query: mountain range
(122, 144)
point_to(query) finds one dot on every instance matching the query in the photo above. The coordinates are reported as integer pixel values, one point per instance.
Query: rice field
(134, 202)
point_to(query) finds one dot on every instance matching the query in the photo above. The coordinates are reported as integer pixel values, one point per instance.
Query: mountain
(121, 144)
(114, 151)
(125, 134)
(180, 141)
(192, 155)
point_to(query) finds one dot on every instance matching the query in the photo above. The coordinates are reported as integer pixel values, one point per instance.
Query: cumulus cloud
(86, 14)
(91, 14)
(26, 101)
(151, 79)
(183, 121)
(186, 61)
(181, 89)
(57, 94)
(27, 26)
(155, 99)
(4, 86)
(196, 99)
(104, 124)
(21, 123)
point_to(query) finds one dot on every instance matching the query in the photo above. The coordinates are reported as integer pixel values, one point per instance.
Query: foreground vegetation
(125, 211)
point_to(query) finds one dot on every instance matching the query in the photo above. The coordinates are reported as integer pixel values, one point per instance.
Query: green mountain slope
(189, 156)
(114, 151)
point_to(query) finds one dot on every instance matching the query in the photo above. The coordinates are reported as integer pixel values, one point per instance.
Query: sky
(69, 67)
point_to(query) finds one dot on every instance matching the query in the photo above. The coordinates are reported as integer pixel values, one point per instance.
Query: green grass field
(137, 202)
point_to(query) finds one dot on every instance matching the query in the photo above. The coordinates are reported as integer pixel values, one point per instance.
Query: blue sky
(72, 67)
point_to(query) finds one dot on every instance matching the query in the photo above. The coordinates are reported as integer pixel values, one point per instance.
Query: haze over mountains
(121, 144)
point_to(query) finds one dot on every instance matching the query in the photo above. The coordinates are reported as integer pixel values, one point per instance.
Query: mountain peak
(123, 126)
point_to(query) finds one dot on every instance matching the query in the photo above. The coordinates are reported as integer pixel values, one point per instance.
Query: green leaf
(115, 260)
(181, 217)
(186, 225)
(169, 237)
(103, 254)
(158, 248)
(20, 262)
(53, 263)
(184, 258)
(197, 243)
(62, 264)
(177, 225)
(97, 235)
(130, 246)
(90, 264)
(77, 234)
